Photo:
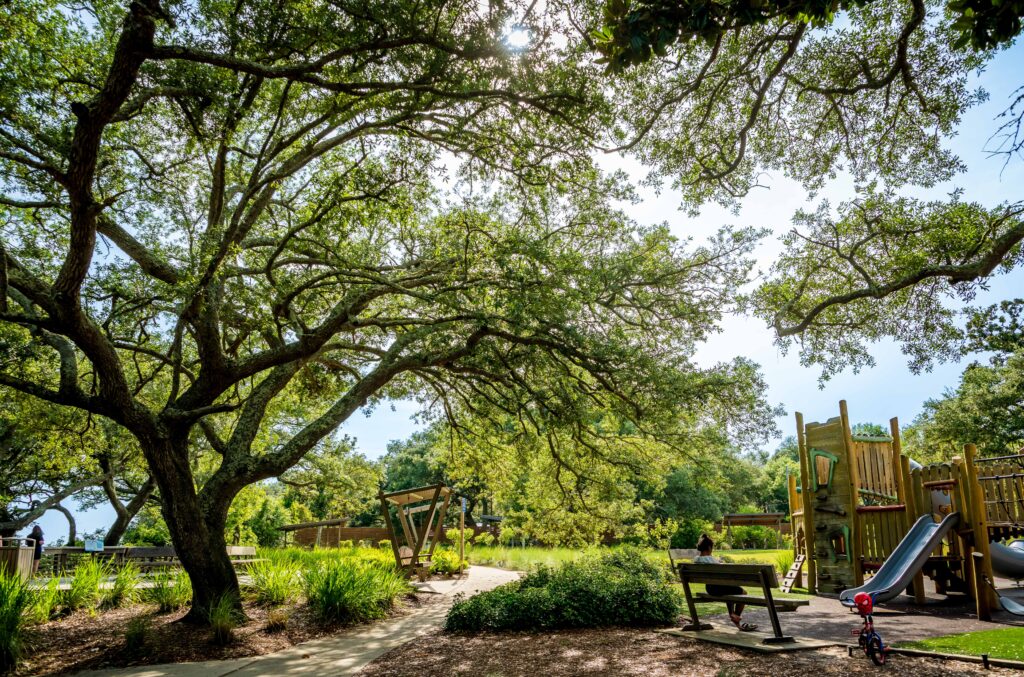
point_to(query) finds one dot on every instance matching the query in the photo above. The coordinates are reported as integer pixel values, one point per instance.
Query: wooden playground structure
(858, 496)
(428, 506)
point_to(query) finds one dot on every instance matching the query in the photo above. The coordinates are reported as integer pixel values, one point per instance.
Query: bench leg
(773, 614)
(694, 625)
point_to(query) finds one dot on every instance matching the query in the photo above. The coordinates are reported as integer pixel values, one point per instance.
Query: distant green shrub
(689, 531)
(273, 582)
(754, 538)
(353, 590)
(620, 587)
(14, 599)
(445, 562)
(484, 538)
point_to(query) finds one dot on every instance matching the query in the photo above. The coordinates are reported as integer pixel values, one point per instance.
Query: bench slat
(752, 600)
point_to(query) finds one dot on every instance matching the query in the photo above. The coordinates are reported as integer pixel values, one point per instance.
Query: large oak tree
(225, 227)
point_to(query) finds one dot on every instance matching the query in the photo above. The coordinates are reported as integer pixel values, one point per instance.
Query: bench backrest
(241, 551)
(149, 551)
(729, 574)
(675, 554)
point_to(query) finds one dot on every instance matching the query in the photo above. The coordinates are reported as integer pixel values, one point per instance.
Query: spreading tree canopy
(227, 228)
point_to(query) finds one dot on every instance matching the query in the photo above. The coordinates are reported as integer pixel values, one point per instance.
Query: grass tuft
(123, 591)
(84, 590)
(171, 590)
(353, 590)
(224, 617)
(14, 599)
(136, 634)
(274, 583)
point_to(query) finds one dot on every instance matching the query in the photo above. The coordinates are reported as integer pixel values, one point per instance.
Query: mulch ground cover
(86, 640)
(623, 651)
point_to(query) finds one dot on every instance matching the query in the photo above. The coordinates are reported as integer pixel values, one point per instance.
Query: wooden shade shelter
(420, 513)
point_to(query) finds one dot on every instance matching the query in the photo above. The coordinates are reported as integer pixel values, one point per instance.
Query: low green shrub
(45, 602)
(172, 590)
(84, 589)
(14, 599)
(384, 544)
(224, 616)
(620, 588)
(754, 537)
(273, 582)
(136, 633)
(123, 590)
(445, 562)
(483, 538)
(353, 590)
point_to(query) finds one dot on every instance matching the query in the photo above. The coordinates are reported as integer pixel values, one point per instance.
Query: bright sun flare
(518, 38)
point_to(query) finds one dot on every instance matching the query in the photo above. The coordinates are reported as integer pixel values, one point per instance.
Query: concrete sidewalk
(344, 654)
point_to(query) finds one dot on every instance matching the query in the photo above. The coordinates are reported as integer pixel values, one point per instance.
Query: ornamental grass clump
(272, 582)
(84, 589)
(620, 588)
(224, 616)
(171, 590)
(353, 590)
(14, 599)
(45, 602)
(123, 590)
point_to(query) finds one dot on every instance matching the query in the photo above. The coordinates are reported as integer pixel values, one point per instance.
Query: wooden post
(913, 512)
(854, 546)
(808, 506)
(897, 466)
(390, 527)
(462, 532)
(984, 597)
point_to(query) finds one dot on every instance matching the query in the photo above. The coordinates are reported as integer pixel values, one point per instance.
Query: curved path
(344, 654)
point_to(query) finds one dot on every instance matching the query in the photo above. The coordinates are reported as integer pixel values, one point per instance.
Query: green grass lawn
(1002, 643)
(522, 559)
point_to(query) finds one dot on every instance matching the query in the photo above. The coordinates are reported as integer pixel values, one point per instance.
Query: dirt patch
(628, 652)
(97, 640)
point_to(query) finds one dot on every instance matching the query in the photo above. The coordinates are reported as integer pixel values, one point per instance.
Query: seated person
(704, 546)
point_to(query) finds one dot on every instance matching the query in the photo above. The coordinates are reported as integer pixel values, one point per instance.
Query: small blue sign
(93, 545)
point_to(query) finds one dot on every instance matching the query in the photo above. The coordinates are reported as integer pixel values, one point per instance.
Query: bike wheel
(875, 651)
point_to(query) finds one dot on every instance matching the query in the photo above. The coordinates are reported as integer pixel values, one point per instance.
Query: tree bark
(72, 527)
(196, 526)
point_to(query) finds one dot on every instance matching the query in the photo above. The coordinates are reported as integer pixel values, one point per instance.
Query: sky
(874, 395)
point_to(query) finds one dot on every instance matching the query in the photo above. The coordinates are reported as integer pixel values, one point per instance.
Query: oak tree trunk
(196, 526)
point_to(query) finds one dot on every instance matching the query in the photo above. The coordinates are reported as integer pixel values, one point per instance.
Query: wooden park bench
(164, 556)
(678, 555)
(759, 575)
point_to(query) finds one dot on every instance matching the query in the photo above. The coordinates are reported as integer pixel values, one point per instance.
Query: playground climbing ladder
(793, 573)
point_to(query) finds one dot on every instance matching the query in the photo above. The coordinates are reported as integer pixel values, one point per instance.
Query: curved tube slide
(1008, 561)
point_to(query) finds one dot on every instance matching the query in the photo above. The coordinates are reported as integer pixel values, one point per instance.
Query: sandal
(738, 622)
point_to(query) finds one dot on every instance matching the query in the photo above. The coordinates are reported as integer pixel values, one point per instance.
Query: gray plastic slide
(1008, 561)
(905, 561)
